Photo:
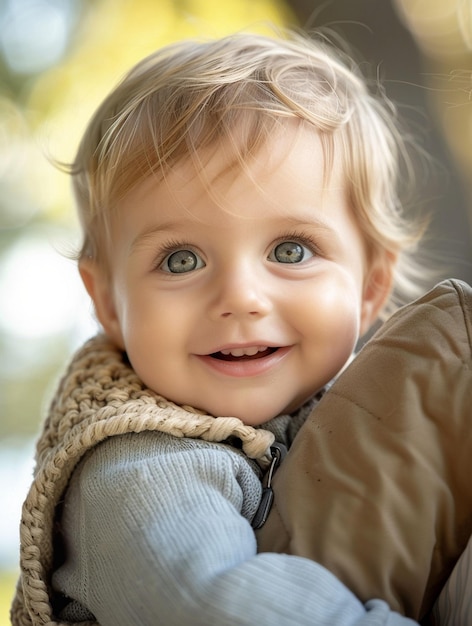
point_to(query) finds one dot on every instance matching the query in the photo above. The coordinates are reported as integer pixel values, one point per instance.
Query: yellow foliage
(7, 588)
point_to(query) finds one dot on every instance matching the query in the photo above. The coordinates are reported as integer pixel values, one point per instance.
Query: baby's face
(246, 299)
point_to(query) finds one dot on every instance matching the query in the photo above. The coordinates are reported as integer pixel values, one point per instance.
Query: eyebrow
(284, 222)
(314, 222)
(149, 233)
(309, 221)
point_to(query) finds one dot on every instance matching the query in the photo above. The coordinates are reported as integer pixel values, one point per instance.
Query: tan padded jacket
(377, 484)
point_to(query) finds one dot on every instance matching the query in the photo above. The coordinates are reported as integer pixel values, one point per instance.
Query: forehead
(284, 181)
(295, 156)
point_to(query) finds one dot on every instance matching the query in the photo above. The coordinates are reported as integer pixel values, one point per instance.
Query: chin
(252, 421)
(256, 418)
(253, 414)
(248, 417)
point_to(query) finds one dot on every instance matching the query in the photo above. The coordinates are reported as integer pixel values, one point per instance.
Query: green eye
(290, 252)
(181, 262)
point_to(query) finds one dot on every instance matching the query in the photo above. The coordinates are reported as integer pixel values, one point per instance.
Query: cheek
(150, 354)
(333, 311)
(157, 335)
(147, 329)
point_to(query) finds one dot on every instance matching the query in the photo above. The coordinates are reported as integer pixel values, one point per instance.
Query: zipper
(277, 452)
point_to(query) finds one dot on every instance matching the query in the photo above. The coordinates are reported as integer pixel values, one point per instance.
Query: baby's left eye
(290, 252)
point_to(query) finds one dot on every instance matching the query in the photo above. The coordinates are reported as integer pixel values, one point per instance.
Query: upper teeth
(251, 351)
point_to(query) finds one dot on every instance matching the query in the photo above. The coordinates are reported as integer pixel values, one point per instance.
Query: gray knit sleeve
(154, 534)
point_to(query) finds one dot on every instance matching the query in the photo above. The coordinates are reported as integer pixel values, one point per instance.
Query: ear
(377, 288)
(99, 288)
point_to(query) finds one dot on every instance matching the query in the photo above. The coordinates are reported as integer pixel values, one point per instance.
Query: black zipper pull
(278, 452)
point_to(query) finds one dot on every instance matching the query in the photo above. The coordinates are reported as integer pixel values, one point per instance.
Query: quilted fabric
(376, 486)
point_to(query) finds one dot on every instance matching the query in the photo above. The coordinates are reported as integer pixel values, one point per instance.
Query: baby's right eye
(181, 261)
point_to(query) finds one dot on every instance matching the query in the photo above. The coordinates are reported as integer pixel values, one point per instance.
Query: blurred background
(58, 59)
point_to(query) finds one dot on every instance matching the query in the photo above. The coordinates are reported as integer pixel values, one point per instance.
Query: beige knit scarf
(99, 396)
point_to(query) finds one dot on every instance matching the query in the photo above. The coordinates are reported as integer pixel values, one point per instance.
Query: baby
(242, 231)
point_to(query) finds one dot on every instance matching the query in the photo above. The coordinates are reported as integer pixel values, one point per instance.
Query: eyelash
(174, 245)
(302, 238)
(171, 246)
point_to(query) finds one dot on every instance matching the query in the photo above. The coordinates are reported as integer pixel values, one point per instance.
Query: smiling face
(245, 296)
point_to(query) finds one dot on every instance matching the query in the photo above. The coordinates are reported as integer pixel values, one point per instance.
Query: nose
(240, 292)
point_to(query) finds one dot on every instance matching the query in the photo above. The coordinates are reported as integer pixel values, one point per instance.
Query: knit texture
(99, 396)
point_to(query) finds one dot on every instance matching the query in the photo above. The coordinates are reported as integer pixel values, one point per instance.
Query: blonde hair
(192, 95)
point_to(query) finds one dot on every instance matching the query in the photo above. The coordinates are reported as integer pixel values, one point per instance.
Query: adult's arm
(156, 533)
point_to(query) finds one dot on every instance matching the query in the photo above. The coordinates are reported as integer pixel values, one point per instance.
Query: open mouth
(243, 354)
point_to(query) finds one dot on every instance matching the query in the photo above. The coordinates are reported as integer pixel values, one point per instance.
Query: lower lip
(246, 369)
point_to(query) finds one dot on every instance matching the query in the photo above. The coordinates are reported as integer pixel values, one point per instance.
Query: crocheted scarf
(99, 396)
